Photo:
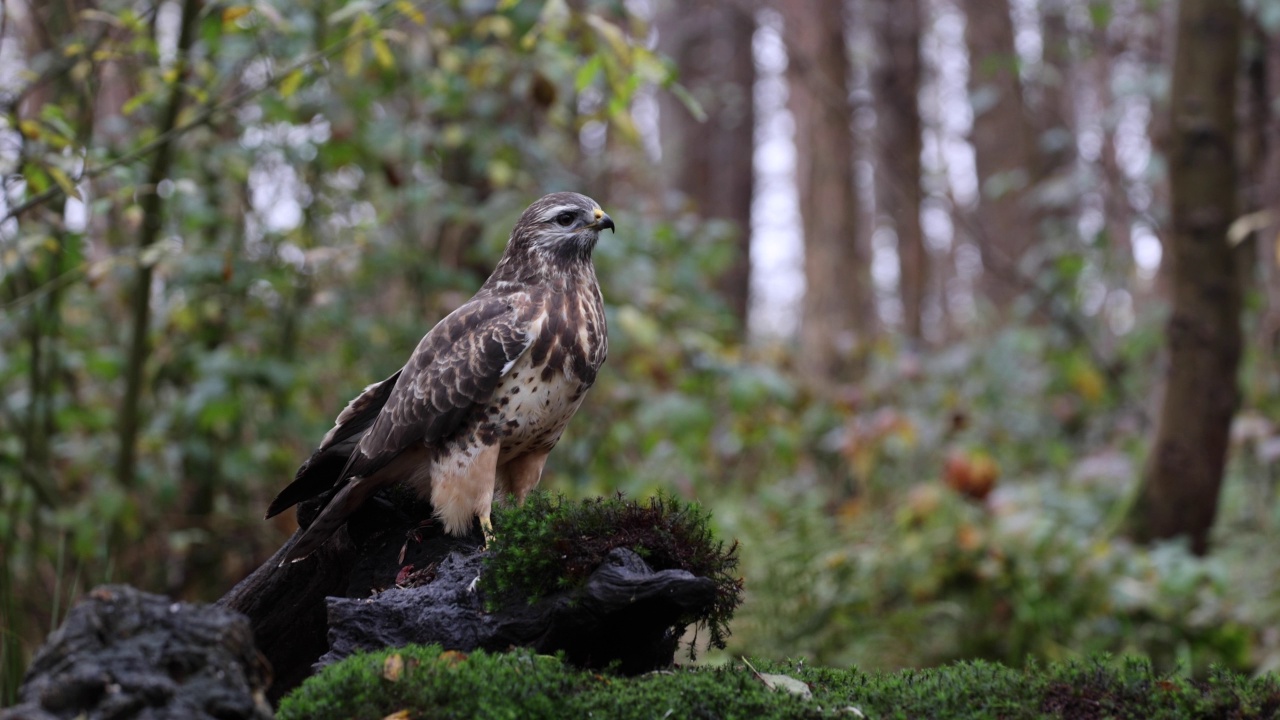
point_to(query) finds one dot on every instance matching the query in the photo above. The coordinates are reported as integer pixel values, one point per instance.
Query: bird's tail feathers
(348, 499)
(319, 473)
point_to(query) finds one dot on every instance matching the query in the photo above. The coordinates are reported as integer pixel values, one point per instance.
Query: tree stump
(123, 653)
(391, 577)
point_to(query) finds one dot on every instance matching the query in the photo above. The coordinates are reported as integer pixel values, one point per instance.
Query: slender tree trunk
(710, 160)
(1004, 146)
(1055, 126)
(152, 221)
(1184, 471)
(837, 307)
(1117, 212)
(1268, 338)
(898, 167)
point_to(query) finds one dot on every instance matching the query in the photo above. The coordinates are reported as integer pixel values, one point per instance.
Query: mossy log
(391, 577)
(123, 653)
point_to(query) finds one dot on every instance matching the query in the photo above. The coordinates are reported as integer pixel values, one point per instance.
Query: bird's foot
(486, 526)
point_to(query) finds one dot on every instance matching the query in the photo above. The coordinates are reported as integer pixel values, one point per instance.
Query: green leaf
(588, 73)
(291, 83)
(407, 9)
(64, 182)
(133, 103)
(684, 96)
(37, 179)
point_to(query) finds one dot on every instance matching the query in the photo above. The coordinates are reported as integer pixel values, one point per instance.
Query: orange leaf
(393, 667)
(234, 13)
(452, 658)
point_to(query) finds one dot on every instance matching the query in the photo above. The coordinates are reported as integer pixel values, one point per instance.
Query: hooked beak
(602, 221)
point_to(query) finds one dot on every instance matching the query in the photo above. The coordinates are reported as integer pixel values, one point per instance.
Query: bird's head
(562, 226)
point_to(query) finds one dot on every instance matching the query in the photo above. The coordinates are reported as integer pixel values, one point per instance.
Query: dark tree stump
(124, 654)
(625, 613)
(286, 605)
(345, 598)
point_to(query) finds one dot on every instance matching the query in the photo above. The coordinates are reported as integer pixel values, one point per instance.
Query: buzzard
(487, 392)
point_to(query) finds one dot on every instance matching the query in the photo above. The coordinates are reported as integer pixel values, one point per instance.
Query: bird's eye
(564, 219)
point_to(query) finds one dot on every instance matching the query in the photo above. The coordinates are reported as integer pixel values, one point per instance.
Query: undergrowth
(549, 544)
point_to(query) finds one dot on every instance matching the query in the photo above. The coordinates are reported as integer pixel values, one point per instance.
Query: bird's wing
(452, 373)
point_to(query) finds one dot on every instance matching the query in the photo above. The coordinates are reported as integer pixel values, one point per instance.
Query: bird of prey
(487, 392)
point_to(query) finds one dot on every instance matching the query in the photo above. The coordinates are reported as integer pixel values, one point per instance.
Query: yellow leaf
(501, 174)
(80, 71)
(30, 130)
(498, 26)
(73, 49)
(353, 56)
(613, 35)
(64, 182)
(621, 122)
(291, 83)
(353, 59)
(398, 715)
(101, 16)
(407, 9)
(452, 658)
(234, 13)
(393, 667)
(382, 53)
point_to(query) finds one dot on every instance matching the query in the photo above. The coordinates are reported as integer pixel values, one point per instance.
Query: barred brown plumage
(486, 394)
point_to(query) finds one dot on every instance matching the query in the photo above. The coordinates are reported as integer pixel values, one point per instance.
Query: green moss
(435, 685)
(431, 684)
(1096, 687)
(549, 544)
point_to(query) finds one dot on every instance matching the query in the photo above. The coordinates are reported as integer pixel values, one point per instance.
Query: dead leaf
(774, 681)
(452, 658)
(785, 682)
(393, 667)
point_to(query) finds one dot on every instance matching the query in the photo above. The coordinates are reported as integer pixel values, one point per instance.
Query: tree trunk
(1268, 248)
(152, 222)
(1055, 128)
(710, 161)
(898, 167)
(1004, 146)
(1184, 471)
(837, 308)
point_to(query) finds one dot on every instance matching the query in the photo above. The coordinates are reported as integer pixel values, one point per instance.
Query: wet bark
(1004, 146)
(898, 171)
(1179, 496)
(837, 309)
(710, 160)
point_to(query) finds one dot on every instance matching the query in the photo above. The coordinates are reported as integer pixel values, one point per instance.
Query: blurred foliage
(346, 173)
(984, 524)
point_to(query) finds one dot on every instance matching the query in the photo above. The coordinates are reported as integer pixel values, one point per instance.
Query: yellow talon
(487, 527)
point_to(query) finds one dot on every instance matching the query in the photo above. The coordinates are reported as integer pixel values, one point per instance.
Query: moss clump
(550, 544)
(1087, 689)
(431, 684)
(435, 685)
